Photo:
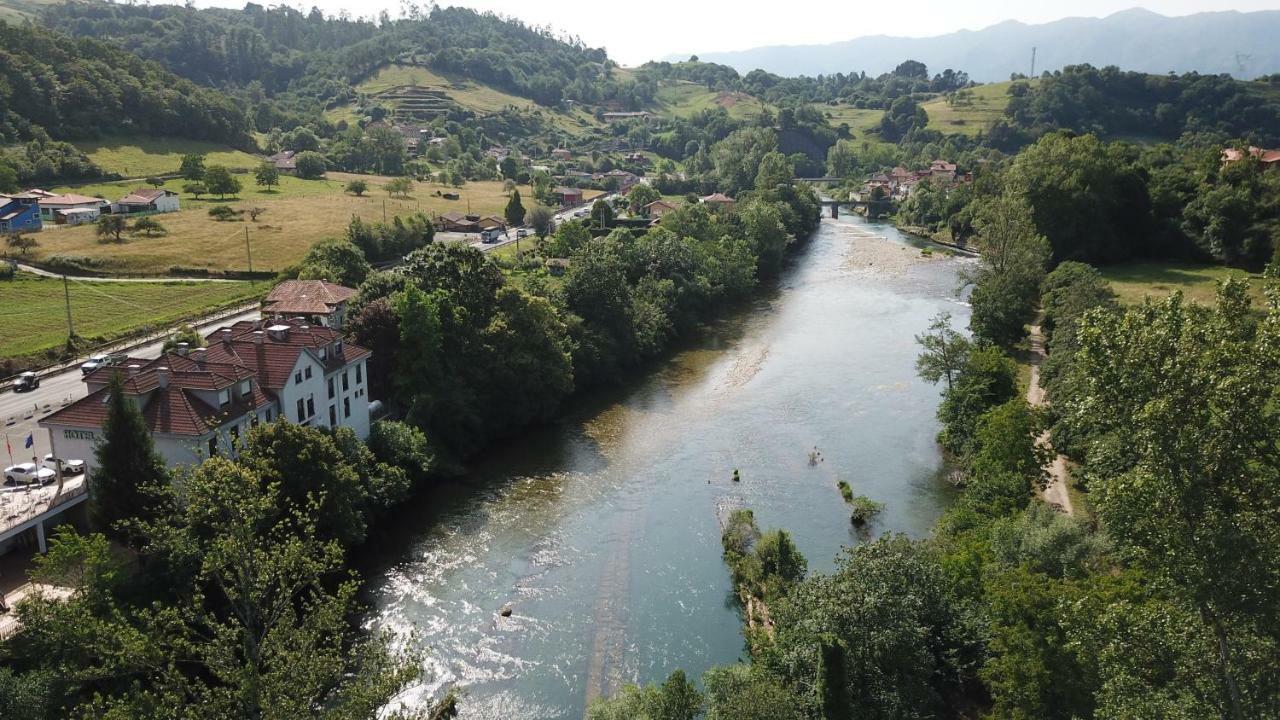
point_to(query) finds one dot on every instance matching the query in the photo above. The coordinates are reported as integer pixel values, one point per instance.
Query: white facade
(339, 398)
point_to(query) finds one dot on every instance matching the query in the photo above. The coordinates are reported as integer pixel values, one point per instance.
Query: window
(245, 387)
(330, 388)
(297, 378)
(346, 407)
(268, 414)
(311, 405)
(307, 372)
(213, 446)
(224, 398)
(301, 410)
(345, 386)
(360, 373)
(333, 415)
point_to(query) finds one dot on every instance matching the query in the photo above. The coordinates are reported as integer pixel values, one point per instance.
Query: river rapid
(601, 532)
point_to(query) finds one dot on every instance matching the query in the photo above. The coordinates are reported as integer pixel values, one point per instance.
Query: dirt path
(1056, 492)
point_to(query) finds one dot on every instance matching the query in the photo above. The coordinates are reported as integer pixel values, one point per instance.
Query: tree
(21, 242)
(640, 195)
(1007, 283)
(195, 188)
(192, 167)
(762, 226)
(514, 212)
(398, 186)
(220, 181)
(310, 165)
(357, 187)
(148, 226)
(540, 217)
(601, 214)
(509, 168)
(337, 261)
(1183, 468)
(111, 228)
(903, 116)
(675, 699)
(301, 139)
(155, 181)
(988, 378)
(943, 351)
(266, 175)
(130, 476)
(775, 169)
(185, 334)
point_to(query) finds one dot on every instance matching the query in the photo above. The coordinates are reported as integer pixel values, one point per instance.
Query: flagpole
(8, 447)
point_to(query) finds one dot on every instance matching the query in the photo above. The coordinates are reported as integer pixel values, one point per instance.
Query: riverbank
(601, 530)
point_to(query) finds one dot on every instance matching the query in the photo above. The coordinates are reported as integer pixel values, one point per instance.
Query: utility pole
(66, 292)
(248, 251)
(1033, 62)
(384, 211)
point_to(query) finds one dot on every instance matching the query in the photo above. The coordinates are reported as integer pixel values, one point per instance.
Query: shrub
(224, 213)
(864, 508)
(845, 491)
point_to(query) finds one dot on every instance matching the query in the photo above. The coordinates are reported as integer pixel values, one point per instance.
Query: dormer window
(224, 398)
(245, 387)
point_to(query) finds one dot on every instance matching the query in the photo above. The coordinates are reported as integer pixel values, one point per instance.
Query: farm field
(139, 156)
(33, 310)
(468, 93)
(679, 99)
(860, 120)
(987, 106)
(1135, 281)
(294, 217)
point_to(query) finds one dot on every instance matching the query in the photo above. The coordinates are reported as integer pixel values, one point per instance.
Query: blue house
(20, 212)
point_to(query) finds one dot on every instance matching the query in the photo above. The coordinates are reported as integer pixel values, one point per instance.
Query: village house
(568, 196)
(622, 178)
(638, 160)
(147, 200)
(1269, 158)
(199, 402)
(285, 161)
(20, 212)
(71, 209)
(454, 221)
(561, 154)
(719, 200)
(317, 302)
(942, 170)
(658, 208)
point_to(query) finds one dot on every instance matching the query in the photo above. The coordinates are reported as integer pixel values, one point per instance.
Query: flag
(31, 440)
(8, 447)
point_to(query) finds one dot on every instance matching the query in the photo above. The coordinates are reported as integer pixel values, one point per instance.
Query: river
(602, 531)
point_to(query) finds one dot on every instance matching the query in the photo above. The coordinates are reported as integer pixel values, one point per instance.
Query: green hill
(680, 99)
(139, 156)
(969, 111)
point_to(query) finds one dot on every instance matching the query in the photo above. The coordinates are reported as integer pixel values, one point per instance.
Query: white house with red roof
(199, 402)
(71, 209)
(148, 200)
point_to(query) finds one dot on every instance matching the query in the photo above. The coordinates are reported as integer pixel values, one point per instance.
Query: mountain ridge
(1220, 41)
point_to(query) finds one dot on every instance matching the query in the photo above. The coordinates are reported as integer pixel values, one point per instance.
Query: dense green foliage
(237, 604)
(129, 474)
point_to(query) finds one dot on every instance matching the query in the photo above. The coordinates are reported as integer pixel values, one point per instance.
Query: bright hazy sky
(634, 32)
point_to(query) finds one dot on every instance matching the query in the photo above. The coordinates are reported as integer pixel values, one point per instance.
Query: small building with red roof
(318, 302)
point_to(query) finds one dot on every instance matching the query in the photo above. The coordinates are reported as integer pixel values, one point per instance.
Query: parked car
(27, 474)
(69, 466)
(522, 233)
(26, 382)
(580, 213)
(100, 360)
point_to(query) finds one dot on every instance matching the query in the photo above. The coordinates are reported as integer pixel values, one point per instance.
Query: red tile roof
(144, 196)
(306, 297)
(717, 198)
(71, 199)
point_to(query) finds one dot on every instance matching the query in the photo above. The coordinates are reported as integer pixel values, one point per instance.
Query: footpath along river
(602, 532)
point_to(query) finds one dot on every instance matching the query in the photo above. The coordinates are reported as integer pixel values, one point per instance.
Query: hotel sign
(78, 434)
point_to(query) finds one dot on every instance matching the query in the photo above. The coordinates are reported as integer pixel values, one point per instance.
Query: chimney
(133, 370)
(258, 336)
(226, 335)
(162, 377)
(199, 356)
(182, 348)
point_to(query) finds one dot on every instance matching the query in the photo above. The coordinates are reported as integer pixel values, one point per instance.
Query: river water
(602, 532)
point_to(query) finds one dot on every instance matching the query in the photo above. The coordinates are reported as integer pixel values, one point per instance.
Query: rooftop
(306, 297)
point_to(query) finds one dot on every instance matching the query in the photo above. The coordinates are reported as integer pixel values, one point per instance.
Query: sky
(634, 32)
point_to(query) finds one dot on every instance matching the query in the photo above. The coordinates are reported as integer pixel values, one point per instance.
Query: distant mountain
(1242, 44)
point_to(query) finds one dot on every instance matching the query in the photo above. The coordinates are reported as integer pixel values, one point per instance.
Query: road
(1055, 493)
(20, 411)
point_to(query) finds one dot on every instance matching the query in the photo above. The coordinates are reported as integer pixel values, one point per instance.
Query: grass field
(297, 215)
(133, 156)
(860, 120)
(988, 105)
(680, 99)
(1199, 283)
(33, 311)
